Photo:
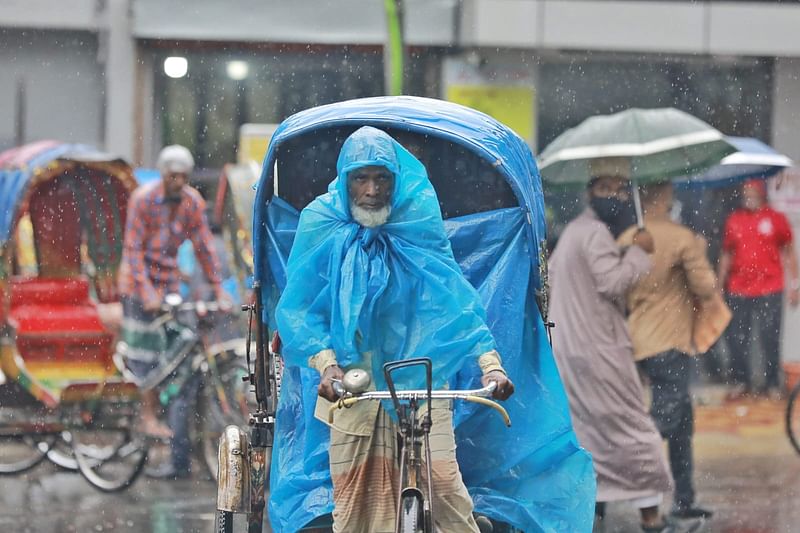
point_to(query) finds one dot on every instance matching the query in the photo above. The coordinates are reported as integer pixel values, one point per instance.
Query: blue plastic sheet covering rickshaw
(533, 476)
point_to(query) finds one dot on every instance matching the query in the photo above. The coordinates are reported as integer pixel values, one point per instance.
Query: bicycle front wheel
(224, 522)
(411, 519)
(793, 418)
(224, 400)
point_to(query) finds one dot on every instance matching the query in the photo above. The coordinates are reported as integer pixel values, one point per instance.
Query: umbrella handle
(637, 205)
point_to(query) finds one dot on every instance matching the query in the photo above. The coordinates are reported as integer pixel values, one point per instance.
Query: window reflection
(225, 87)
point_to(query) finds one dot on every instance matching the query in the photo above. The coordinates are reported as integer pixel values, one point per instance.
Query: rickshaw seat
(56, 291)
(55, 321)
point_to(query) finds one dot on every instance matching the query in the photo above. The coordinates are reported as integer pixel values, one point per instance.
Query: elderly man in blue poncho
(372, 279)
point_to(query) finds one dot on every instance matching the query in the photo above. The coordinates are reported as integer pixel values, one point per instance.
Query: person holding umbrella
(590, 275)
(590, 278)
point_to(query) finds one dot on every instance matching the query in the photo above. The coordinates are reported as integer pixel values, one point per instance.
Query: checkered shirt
(153, 232)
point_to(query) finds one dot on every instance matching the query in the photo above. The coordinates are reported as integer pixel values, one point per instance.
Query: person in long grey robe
(590, 275)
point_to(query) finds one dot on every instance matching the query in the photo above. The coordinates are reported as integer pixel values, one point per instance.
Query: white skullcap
(175, 158)
(610, 167)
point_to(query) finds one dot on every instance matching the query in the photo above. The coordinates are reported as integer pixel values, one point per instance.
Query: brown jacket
(662, 305)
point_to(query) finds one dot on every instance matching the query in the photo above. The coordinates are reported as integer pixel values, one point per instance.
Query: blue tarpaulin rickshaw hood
(476, 131)
(534, 475)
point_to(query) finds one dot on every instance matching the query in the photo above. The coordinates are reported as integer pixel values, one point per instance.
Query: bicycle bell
(173, 299)
(356, 381)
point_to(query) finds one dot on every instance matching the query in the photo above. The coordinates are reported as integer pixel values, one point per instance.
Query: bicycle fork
(411, 463)
(428, 507)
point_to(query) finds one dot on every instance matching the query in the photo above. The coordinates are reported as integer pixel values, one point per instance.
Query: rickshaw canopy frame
(494, 142)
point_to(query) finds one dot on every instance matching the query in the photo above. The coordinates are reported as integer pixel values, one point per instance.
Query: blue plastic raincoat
(533, 475)
(393, 292)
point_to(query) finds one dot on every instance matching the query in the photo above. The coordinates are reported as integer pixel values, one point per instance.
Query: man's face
(752, 198)
(611, 187)
(174, 182)
(370, 187)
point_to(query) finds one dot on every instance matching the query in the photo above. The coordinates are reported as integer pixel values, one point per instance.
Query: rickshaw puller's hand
(325, 388)
(152, 305)
(223, 301)
(505, 387)
(644, 240)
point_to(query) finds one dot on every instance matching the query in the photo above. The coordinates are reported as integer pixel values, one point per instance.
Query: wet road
(746, 471)
(49, 500)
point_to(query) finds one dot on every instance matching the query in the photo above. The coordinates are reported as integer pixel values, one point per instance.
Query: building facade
(94, 71)
(133, 75)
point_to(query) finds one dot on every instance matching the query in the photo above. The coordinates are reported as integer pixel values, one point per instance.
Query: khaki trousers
(365, 474)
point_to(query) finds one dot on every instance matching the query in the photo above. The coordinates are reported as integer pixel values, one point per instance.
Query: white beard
(370, 218)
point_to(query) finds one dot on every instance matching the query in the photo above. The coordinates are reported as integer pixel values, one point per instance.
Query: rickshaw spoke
(214, 417)
(113, 463)
(23, 452)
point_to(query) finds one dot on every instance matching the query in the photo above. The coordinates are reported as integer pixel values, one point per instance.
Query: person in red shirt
(756, 245)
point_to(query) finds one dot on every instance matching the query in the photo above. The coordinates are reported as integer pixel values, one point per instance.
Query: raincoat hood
(366, 147)
(389, 293)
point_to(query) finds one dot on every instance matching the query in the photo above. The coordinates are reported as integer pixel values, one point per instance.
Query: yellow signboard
(253, 142)
(514, 106)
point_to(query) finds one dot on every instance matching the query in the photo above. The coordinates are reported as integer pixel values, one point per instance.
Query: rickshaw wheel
(60, 454)
(214, 417)
(411, 518)
(110, 460)
(22, 453)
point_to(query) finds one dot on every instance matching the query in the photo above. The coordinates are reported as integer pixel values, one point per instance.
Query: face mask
(617, 214)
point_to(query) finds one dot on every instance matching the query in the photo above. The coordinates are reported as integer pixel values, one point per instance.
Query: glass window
(734, 97)
(227, 86)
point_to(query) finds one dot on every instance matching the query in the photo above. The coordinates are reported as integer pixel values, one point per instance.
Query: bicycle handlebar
(199, 306)
(474, 395)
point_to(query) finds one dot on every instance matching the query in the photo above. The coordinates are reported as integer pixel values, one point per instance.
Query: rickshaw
(62, 218)
(531, 477)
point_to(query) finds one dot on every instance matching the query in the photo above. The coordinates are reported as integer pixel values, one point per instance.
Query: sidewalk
(745, 467)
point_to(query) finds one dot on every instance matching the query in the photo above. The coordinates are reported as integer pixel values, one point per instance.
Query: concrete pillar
(786, 139)
(147, 136)
(119, 57)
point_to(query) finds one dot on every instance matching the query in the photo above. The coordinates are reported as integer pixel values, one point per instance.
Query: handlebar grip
(494, 405)
(344, 402)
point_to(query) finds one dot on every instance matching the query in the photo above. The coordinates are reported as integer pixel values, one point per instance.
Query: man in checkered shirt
(161, 216)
